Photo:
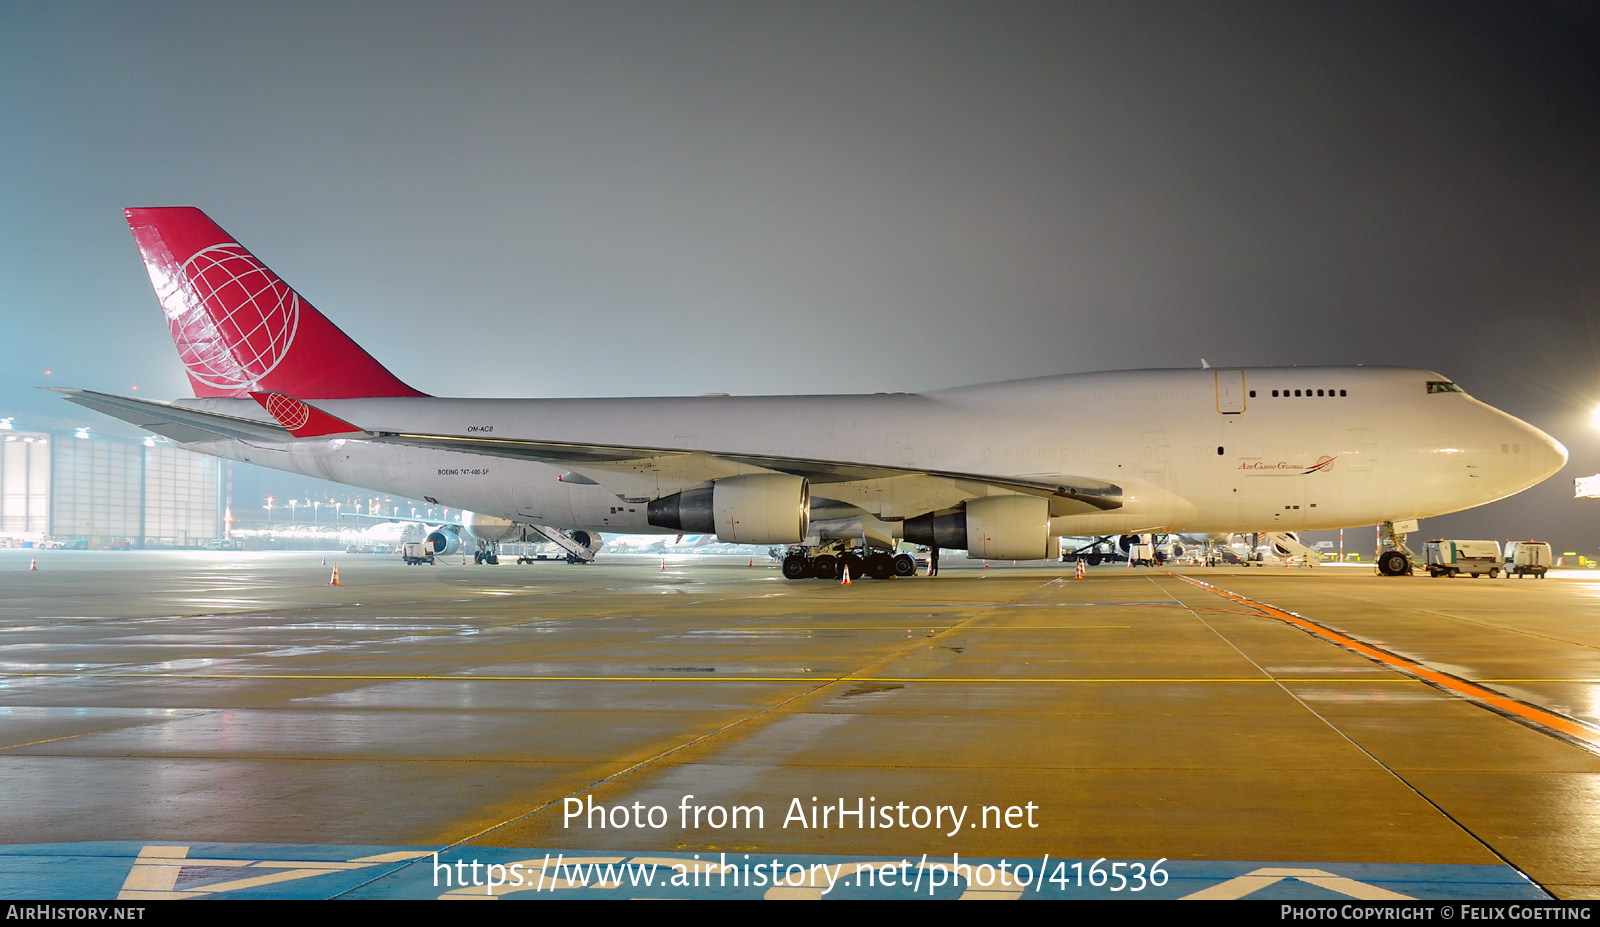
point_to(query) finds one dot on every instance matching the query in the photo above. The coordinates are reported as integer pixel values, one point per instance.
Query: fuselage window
(1297, 392)
(1274, 394)
(1319, 392)
(1252, 394)
(1341, 392)
(1219, 452)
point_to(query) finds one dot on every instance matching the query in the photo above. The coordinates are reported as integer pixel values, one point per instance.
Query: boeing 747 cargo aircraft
(1000, 470)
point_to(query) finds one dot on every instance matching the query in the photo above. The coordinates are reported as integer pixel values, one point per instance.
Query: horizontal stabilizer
(180, 424)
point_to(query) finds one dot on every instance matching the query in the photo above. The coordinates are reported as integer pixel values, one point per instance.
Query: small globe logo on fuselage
(291, 413)
(240, 318)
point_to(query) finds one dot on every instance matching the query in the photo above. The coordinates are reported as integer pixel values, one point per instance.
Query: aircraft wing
(663, 470)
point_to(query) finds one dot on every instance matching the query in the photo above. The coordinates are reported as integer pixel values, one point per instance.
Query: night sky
(668, 198)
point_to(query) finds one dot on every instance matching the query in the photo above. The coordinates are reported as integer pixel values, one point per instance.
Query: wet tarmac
(715, 708)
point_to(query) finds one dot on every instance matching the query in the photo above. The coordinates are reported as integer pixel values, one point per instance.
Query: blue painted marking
(86, 871)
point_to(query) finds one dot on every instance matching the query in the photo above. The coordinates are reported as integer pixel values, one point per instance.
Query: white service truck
(1528, 558)
(1452, 558)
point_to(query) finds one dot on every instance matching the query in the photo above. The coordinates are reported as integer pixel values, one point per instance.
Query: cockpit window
(1443, 386)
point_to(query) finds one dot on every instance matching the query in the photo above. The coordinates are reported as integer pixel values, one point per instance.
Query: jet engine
(444, 541)
(991, 528)
(761, 508)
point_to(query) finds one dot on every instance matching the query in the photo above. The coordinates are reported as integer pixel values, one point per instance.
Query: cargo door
(1230, 391)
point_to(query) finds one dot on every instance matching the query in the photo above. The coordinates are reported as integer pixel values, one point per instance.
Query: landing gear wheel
(854, 564)
(880, 566)
(1394, 563)
(825, 567)
(795, 567)
(905, 565)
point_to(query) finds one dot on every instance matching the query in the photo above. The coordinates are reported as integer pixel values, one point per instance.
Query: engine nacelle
(444, 541)
(1008, 528)
(762, 508)
(488, 527)
(991, 528)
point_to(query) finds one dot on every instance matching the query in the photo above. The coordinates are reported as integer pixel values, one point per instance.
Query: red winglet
(302, 420)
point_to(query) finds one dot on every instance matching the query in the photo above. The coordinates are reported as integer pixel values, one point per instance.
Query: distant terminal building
(97, 490)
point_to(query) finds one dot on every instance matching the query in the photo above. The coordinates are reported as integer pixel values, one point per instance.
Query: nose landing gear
(1396, 557)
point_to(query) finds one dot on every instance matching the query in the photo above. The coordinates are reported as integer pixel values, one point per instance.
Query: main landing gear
(827, 560)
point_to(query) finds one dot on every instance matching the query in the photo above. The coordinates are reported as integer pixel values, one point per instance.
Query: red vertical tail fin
(238, 327)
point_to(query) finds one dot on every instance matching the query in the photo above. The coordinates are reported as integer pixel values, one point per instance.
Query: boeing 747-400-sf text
(1000, 470)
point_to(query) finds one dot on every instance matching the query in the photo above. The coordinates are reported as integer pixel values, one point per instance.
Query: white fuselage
(1377, 445)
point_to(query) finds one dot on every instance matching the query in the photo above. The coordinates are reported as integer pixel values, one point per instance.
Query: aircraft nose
(1550, 456)
(1555, 453)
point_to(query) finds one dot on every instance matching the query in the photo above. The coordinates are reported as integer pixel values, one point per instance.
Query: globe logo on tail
(239, 321)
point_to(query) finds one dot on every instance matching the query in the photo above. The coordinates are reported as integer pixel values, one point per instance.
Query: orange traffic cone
(752, 561)
(986, 564)
(33, 565)
(1078, 573)
(844, 571)
(663, 564)
(335, 580)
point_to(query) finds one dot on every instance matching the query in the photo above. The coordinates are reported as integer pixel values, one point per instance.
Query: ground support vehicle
(1528, 558)
(416, 552)
(1452, 558)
